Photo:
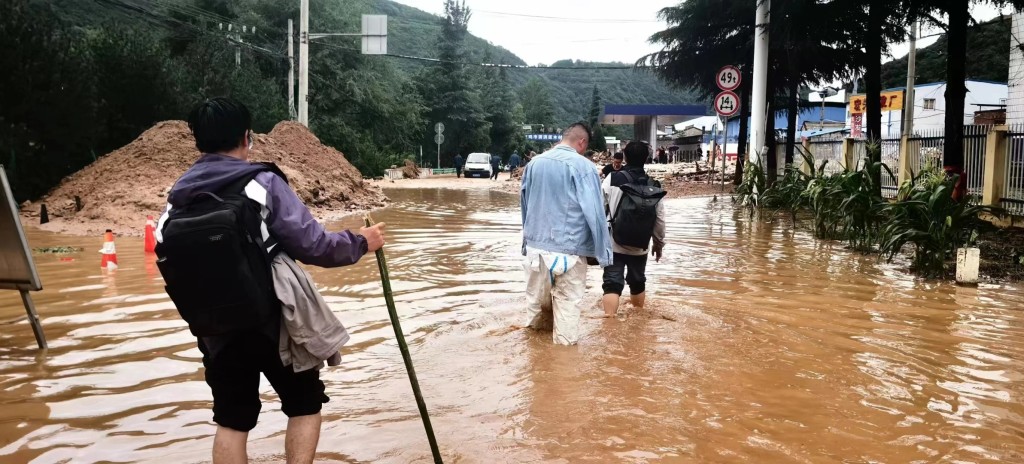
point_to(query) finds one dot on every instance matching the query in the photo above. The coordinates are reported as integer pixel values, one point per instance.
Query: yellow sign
(890, 101)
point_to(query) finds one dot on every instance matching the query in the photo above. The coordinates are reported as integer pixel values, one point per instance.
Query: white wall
(1015, 105)
(978, 93)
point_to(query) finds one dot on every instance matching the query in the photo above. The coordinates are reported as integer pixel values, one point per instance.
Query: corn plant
(928, 218)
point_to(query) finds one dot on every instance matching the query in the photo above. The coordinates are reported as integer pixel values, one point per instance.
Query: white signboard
(375, 34)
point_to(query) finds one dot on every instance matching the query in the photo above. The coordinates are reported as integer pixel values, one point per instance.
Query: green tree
(502, 111)
(449, 93)
(597, 142)
(47, 105)
(536, 100)
(134, 83)
(704, 35)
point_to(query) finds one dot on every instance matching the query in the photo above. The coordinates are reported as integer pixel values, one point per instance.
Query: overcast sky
(544, 31)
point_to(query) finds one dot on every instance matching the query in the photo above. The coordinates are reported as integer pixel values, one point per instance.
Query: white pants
(556, 285)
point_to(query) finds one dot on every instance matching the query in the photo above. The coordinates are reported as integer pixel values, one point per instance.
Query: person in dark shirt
(495, 166)
(459, 163)
(614, 167)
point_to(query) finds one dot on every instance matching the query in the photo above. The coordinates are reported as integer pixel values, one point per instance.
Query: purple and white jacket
(287, 222)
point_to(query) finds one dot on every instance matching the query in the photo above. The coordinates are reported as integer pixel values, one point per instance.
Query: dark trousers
(458, 172)
(625, 269)
(494, 172)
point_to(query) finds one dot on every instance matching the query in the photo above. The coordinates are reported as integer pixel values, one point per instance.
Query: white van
(478, 164)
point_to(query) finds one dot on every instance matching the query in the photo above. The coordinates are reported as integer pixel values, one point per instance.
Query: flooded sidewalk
(759, 344)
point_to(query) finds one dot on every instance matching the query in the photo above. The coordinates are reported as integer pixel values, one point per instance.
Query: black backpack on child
(637, 212)
(215, 263)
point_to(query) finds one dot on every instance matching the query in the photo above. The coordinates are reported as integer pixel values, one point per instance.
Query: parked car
(478, 164)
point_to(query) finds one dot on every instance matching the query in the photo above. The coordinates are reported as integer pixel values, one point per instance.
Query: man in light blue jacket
(564, 223)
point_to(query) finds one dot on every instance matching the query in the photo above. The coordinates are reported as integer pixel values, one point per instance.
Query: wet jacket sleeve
(659, 226)
(588, 192)
(305, 239)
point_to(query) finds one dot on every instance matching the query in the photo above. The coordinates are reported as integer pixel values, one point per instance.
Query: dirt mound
(410, 171)
(120, 189)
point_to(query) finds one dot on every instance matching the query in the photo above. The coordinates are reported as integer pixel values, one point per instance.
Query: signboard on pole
(891, 101)
(857, 125)
(439, 139)
(728, 78)
(727, 103)
(375, 35)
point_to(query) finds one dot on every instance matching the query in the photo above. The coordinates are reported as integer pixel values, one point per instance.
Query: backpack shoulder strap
(239, 184)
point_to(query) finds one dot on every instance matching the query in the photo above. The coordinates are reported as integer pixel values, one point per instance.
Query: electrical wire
(564, 18)
(485, 65)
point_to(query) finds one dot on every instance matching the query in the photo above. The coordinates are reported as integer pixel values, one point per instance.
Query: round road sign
(728, 78)
(439, 128)
(439, 138)
(727, 103)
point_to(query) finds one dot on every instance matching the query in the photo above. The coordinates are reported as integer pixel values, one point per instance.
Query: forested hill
(414, 32)
(988, 46)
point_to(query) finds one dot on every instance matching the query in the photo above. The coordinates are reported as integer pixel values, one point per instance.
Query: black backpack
(637, 212)
(215, 263)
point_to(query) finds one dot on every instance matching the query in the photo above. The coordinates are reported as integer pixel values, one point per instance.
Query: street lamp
(825, 93)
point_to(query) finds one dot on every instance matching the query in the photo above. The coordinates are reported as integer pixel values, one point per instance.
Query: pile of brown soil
(410, 171)
(120, 189)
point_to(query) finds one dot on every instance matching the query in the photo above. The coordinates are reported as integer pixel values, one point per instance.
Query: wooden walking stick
(389, 298)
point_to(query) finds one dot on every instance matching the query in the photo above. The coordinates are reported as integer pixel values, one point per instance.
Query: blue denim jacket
(563, 207)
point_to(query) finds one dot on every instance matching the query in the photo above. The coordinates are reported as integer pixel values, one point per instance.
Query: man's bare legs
(638, 300)
(299, 445)
(229, 446)
(301, 439)
(611, 304)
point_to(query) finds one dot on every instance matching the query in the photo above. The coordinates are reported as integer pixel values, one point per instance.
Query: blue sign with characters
(544, 137)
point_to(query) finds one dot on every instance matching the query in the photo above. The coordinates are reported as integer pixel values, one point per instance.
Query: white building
(1015, 100)
(930, 105)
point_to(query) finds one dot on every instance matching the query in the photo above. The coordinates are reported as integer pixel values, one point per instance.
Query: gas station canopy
(647, 118)
(667, 114)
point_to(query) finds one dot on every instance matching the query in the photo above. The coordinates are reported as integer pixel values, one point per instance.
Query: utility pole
(303, 62)
(375, 42)
(908, 96)
(291, 70)
(759, 103)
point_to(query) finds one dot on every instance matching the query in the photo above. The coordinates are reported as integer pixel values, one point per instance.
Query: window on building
(929, 103)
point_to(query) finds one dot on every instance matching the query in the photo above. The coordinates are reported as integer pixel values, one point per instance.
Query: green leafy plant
(929, 219)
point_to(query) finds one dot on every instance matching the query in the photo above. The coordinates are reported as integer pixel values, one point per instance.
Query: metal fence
(1013, 172)
(925, 150)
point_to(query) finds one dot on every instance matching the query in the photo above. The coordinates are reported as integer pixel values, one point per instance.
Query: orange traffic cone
(150, 237)
(109, 261)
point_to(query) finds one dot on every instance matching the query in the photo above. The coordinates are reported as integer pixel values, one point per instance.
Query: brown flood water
(759, 345)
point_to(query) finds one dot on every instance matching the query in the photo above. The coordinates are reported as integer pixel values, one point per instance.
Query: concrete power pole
(759, 101)
(303, 62)
(908, 97)
(291, 70)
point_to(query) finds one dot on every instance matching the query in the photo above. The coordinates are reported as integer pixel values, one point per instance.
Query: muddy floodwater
(759, 345)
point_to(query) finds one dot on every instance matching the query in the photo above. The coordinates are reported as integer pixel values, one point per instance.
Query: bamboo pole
(385, 280)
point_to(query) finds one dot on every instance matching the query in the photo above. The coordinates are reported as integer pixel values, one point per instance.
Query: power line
(483, 65)
(565, 19)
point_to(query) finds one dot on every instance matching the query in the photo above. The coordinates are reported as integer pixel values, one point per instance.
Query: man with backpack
(227, 221)
(636, 215)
